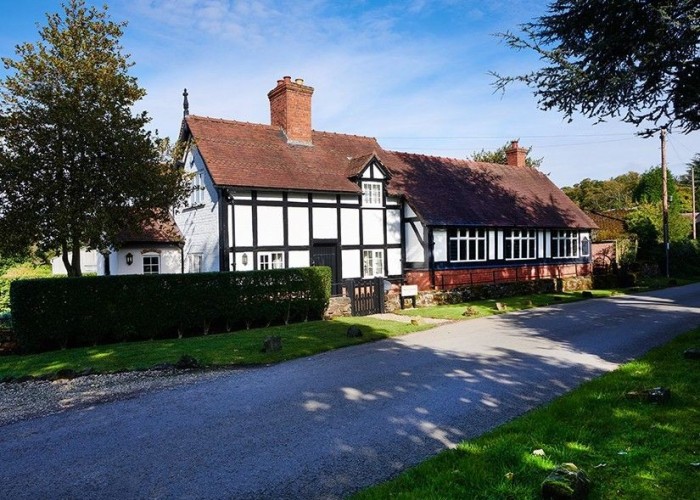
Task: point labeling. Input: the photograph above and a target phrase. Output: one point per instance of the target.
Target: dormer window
(372, 195)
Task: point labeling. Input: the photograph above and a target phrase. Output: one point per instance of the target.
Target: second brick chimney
(515, 155)
(290, 109)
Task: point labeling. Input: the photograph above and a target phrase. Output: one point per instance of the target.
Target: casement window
(467, 245)
(270, 260)
(197, 193)
(372, 263)
(520, 244)
(151, 264)
(372, 194)
(195, 262)
(585, 246)
(565, 244)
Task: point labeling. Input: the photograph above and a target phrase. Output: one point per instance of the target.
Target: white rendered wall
(393, 227)
(394, 261)
(170, 260)
(239, 261)
(351, 264)
(372, 227)
(299, 258)
(325, 223)
(90, 262)
(350, 226)
(243, 225)
(270, 226)
(414, 250)
(200, 226)
(298, 226)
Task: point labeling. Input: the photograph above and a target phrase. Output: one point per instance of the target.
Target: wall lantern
(244, 259)
(129, 259)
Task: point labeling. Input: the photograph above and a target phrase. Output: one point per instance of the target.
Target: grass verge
(236, 348)
(629, 449)
(479, 308)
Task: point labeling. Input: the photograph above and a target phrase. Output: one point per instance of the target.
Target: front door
(326, 254)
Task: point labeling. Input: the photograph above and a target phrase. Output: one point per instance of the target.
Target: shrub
(49, 314)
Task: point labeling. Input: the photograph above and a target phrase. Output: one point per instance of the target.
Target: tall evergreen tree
(638, 61)
(77, 166)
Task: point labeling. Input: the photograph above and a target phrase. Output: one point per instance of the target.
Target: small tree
(499, 156)
(76, 165)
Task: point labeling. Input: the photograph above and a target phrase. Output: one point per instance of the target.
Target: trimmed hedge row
(50, 314)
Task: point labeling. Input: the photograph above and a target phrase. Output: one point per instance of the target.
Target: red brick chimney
(290, 109)
(515, 155)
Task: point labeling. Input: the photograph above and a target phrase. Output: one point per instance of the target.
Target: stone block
(566, 482)
(272, 343)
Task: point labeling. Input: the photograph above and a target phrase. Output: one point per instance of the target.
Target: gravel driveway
(328, 425)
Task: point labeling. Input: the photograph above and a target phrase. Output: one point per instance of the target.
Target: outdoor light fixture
(244, 259)
(129, 259)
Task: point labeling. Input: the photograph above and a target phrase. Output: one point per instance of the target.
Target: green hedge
(4, 294)
(50, 314)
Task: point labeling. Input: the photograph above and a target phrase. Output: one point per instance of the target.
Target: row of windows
(469, 245)
(372, 262)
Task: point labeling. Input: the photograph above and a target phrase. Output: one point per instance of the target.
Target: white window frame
(525, 240)
(270, 260)
(565, 244)
(585, 244)
(151, 266)
(467, 238)
(194, 262)
(197, 193)
(373, 263)
(372, 194)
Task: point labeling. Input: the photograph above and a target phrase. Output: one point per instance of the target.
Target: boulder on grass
(272, 343)
(586, 294)
(354, 331)
(658, 395)
(187, 362)
(692, 353)
(566, 482)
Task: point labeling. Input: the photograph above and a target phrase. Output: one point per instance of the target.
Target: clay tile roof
(443, 191)
(451, 192)
(240, 154)
(358, 164)
(155, 231)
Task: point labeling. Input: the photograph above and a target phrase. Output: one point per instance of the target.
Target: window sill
(192, 207)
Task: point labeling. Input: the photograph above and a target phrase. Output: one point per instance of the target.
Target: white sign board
(409, 290)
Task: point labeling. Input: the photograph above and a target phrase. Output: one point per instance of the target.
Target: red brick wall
(450, 278)
(290, 109)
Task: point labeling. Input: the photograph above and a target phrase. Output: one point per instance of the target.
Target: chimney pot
(290, 109)
(515, 155)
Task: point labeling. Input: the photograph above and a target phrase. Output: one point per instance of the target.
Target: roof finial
(185, 104)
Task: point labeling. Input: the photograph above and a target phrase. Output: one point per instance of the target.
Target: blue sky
(413, 74)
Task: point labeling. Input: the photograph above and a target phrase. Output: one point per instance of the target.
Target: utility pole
(664, 194)
(692, 183)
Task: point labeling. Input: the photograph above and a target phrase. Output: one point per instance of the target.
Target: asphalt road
(326, 426)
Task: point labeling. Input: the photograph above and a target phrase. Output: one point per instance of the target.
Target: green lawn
(236, 348)
(629, 449)
(479, 308)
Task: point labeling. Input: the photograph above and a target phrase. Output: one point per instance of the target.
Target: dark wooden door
(326, 254)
